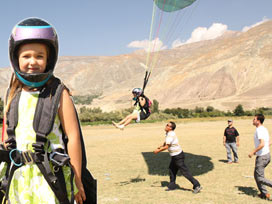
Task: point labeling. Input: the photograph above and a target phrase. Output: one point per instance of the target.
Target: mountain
(233, 69)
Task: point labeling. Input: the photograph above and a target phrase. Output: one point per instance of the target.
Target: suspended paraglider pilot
(141, 109)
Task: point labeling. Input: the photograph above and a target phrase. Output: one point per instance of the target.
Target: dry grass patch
(128, 171)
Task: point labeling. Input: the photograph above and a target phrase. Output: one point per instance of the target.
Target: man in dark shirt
(231, 142)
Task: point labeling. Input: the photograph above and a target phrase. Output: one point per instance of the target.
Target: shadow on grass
(133, 180)
(247, 190)
(166, 183)
(223, 160)
(158, 163)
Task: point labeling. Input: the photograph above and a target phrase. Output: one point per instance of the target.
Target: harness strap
(44, 117)
(55, 184)
(4, 154)
(13, 113)
(11, 124)
(47, 109)
(11, 172)
(61, 180)
(45, 113)
(54, 181)
(147, 75)
(58, 158)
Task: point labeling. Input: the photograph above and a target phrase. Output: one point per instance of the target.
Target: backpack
(44, 117)
(148, 104)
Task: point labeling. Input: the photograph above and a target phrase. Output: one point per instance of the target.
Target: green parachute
(173, 5)
(167, 17)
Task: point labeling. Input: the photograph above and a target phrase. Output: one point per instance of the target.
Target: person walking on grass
(231, 141)
(177, 159)
(262, 152)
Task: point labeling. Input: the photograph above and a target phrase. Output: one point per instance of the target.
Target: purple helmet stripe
(23, 33)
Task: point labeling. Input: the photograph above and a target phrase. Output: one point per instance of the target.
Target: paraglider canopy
(173, 5)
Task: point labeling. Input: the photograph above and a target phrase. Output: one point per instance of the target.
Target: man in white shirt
(177, 159)
(261, 141)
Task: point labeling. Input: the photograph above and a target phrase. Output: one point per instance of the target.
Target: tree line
(96, 115)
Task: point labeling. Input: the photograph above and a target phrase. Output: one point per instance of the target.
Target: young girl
(33, 51)
(141, 109)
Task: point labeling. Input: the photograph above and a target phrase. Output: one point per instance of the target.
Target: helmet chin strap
(32, 84)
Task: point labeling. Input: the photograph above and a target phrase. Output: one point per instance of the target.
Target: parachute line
(150, 35)
(182, 24)
(157, 33)
(162, 31)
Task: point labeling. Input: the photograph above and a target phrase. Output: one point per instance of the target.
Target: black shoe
(172, 186)
(197, 189)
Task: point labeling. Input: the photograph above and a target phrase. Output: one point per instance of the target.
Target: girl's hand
(80, 195)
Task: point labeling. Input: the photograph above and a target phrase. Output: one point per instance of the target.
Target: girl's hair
(14, 86)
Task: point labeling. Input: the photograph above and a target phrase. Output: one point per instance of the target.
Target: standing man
(231, 141)
(261, 140)
(177, 159)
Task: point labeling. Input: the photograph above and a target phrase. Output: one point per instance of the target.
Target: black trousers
(177, 163)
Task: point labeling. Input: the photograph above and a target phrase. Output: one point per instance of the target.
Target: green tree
(210, 109)
(239, 110)
(83, 109)
(199, 109)
(228, 113)
(155, 106)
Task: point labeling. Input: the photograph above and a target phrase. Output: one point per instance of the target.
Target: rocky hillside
(234, 68)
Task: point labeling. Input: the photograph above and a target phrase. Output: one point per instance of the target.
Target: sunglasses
(168, 126)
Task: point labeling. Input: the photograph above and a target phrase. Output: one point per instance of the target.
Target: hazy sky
(113, 27)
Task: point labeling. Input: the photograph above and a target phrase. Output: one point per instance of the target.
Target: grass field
(128, 172)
